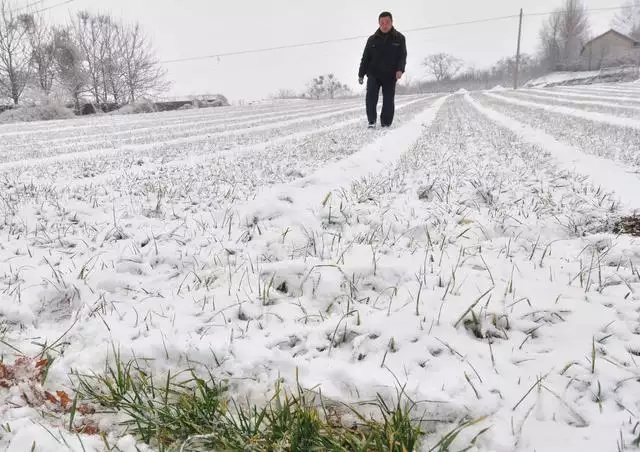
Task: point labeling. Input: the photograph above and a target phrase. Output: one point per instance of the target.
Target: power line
(352, 38)
(458, 24)
(592, 10)
(29, 5)
(263, 49)
(53, 6)
(327, 41)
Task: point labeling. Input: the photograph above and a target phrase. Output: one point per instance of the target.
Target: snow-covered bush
(142, 106)
(210, 100)
(46, 112)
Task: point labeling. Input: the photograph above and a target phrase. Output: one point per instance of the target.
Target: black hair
(385, 14)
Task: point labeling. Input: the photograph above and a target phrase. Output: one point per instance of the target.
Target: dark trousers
(388, 97)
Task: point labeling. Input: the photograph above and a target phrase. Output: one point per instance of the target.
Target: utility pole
(515, 75)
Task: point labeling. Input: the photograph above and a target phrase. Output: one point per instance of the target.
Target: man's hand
(398, 75)
(361, 80)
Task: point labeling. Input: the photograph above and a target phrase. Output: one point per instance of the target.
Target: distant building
(610, 49)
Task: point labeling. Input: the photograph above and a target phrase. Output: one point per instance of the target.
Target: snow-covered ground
(466, 252)
(586, 78)
(561, 77)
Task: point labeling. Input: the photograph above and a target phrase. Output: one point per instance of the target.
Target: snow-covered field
(467, 252)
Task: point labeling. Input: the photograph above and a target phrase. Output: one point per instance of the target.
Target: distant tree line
(448, 73)
(94, 56)
(560, 43)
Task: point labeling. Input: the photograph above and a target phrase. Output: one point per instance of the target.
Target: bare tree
(142, 73)
(40, 37)
(96, 54)
(120, 59)
(443, 66)
(628, 19)
(285, 93)
(550, 41)
(503, 70)
(574, 30)
(88, 34)
(327, 86)
(316, 87)
(563, 35)
(15, 56)
(334, 87)
(114, 64)
(71, 73)
(108, 59)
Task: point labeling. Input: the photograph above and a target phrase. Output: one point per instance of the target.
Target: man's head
(385, 21)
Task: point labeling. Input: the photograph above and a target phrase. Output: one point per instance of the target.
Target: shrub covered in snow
(142, 106)
(46, 112)
(214, 100)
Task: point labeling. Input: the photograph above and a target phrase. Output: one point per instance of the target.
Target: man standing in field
(383, 62)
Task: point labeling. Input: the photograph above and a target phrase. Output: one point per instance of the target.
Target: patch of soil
(628, 225)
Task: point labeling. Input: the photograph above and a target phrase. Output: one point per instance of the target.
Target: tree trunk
(15, 95)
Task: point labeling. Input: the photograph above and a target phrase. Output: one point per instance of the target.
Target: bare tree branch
(574, 30)
(563, 35)
(71, 71)
(443, 66)
(120, 59)
(628, 20)
(142, 72)
(15, 55)
(327, 86)
(40, 37)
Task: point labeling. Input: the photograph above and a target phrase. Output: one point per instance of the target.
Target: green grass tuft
(198, 414)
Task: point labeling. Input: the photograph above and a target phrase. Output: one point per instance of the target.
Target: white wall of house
(610, 48)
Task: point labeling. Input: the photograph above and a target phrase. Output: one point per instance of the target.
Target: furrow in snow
(118, 132)
(116, 139)
(550, 96)
(584, 94)
(372, 158)
(597, 138)
(180, 137)
(610, 108)
(344, 131)
(606, 173)
(199, 150)
(591, 116)
(94, 123)
(599, 88)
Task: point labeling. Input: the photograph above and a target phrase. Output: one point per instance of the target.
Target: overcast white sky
(185, 28)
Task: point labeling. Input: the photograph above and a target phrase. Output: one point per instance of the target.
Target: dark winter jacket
(384, 55)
